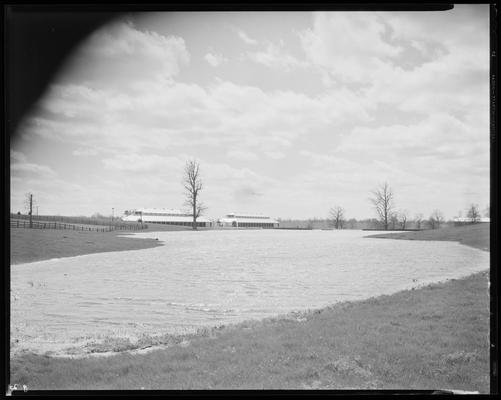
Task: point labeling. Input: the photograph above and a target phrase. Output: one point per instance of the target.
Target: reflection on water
(218, 277)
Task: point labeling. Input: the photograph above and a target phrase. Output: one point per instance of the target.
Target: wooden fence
(58, 225)
(73, 220)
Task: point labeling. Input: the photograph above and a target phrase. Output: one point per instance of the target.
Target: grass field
(476, 235)
(435, 337)
(28, 245)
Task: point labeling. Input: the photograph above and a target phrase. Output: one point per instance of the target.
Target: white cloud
(123, 39)
(85, 152)
(31, 169)
(242, 155)
(371, 49)
(119, 56)
(242, 35)
(348, 46)
(275, 155)
(17, 156)
(215, 60)
(168, 115)
(276, 57)
(440, 136)
(144, 163)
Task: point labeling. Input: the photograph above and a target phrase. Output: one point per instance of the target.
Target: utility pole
(31, 210)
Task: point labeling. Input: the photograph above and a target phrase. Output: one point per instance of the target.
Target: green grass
(28, 245)
(475, 235)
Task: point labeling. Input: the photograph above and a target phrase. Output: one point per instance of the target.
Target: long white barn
(239, 220)
(466, 220)
(166, 216)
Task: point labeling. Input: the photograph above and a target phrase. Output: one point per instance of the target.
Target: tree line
(388, 217)
(382, 199)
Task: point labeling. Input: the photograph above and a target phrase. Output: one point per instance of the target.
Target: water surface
(208, 278)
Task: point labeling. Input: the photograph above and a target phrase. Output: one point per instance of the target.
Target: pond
(208, 278)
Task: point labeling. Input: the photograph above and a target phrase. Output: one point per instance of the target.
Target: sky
(288, 114)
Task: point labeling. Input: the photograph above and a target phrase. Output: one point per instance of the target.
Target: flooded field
(216, 277)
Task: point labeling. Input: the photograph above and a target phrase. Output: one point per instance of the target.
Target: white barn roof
(247, 218)
(162, 215)
(465, 219)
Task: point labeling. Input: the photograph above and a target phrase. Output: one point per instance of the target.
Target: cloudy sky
(288, 113)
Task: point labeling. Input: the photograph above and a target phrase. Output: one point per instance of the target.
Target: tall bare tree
(436, 219)
(193, 185)
(336, 217)
(383, 203)
(473, 213)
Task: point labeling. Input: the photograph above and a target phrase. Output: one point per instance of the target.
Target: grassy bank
(476, 235)
(28, 245)
(435, 337)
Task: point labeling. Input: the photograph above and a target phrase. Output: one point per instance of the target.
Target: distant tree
(336, 217)
(403, 215)
(393, 220)
(487, 212)
(383, 203)
(193, 185)
(418, 219)
(436, 219)
(352, 222)
(473, 213)
(373, 223)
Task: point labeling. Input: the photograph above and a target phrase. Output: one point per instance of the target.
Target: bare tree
(436, 219)
(383, 203)
(336, 217)
(193, 185)
(473, 213)
(29, 203)
(418, 219)
(403, 215)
